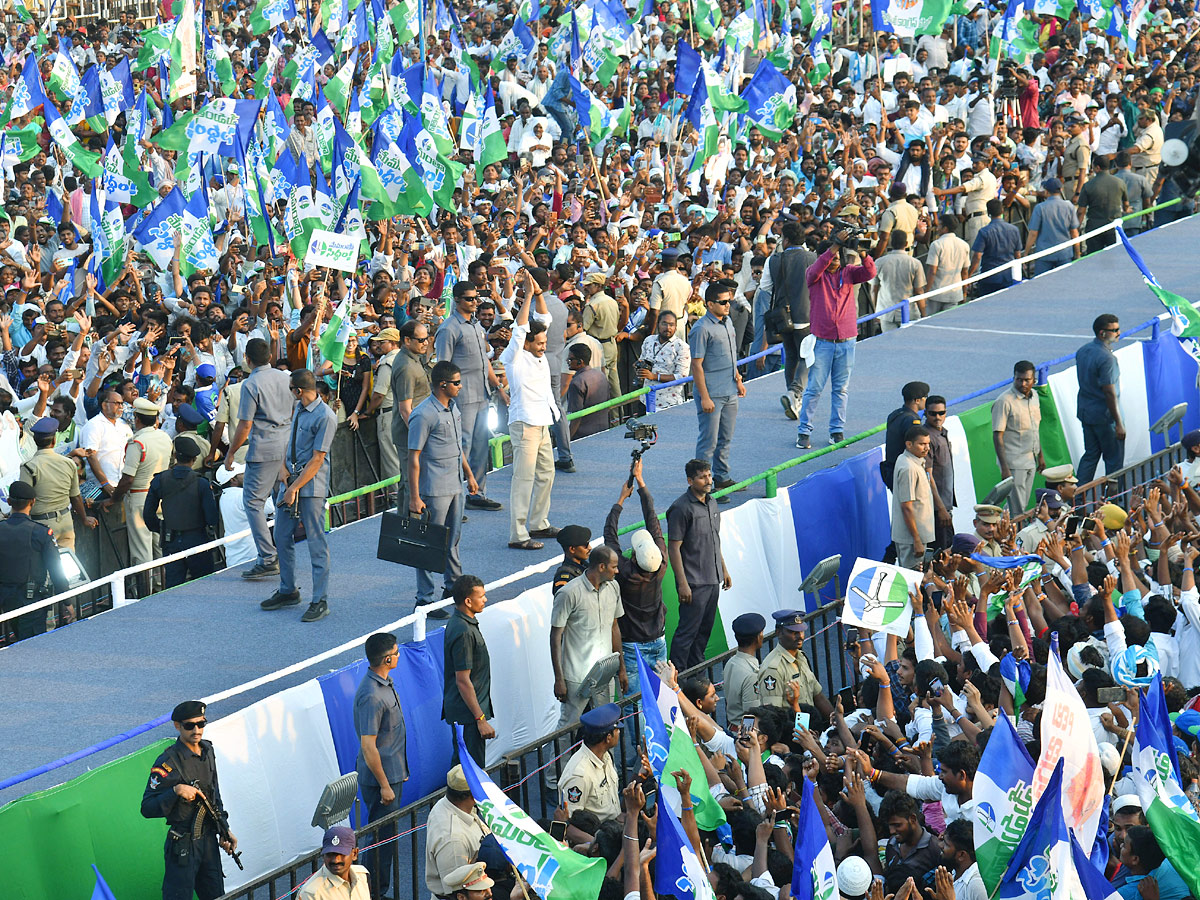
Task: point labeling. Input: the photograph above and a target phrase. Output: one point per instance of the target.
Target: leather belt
(42, 517)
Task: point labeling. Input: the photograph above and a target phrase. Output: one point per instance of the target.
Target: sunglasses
(459, 381)
(929, 413)
(193, 726)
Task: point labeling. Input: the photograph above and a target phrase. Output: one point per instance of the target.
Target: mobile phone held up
(558, 830)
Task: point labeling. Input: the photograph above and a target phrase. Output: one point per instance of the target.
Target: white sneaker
(788, 401)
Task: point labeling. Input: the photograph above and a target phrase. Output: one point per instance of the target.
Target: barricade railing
(1119, 486)
(522, 772)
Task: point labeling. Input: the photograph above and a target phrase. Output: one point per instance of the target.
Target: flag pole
(1112, 788)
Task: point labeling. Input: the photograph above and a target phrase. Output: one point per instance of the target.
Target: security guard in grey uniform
(181, 773)
(28, 558)
(55, 480)
(189, 513)
(787, 664)
(741, 671)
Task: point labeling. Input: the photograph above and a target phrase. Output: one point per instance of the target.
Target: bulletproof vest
(181, 503)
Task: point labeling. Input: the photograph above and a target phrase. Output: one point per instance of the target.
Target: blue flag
(677, 869)
(1003, 794)
(576, 48)
(814, 874)
(699, 95)
(101, 891)
(1043, 865)
(687, 67)
(156, 232)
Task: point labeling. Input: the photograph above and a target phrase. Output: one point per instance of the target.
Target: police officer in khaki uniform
(381, 401)
(55, 480)
(987, 517)
(787, 664)
(1146, 152)
(600, 317)
(589, 780)
(742, 669)
(147, 453)
(469, 882)
(1077, 159)
(1062, 479)
(1047, 507)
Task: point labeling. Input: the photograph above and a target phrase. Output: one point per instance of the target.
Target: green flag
(183, 54)
(337, 89)
(708, 18)
(397, 188)
(21, 144)
(332, 342)
(404, 16)
(553, 871)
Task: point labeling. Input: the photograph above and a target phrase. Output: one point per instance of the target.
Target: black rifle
(223, 831)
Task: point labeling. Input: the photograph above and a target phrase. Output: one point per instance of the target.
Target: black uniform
(192, 856)
(28, 560)
(568, 571)
(189, 519)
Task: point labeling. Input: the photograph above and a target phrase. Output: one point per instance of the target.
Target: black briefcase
(413, 542)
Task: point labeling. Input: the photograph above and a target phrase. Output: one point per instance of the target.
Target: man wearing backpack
(786, 318)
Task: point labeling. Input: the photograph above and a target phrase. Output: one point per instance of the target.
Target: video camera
(1007, 88)
(853, 239)
(646, 434)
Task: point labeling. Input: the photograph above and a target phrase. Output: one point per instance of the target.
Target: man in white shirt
(104, 438)
(1111, 126)
(532, 409)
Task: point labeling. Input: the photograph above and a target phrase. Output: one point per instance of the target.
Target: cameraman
(640, 577)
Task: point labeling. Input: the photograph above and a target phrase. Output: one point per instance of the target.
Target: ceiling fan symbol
(872, 600)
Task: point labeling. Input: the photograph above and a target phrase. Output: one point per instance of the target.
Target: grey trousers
(561, 430)
(447, 511)
(389, 459)
(258, 483)
(716, 434)
(312, 514)
(475, 439)
(1022, 489)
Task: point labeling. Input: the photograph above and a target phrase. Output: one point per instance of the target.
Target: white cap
(1125, 800)
(645, 551)
(1110, 759)
(224, 476)
(854, 877)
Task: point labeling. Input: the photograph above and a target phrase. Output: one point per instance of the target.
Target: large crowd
(539, 208)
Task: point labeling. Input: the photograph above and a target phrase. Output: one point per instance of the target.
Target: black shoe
(564, 465)
(440, 613)
(803, 443)
(544, 532)
(262, 570)
(478, 501)
(723, 483)
(279, 600)
(725, 498)
(315, 612)
(837, 437)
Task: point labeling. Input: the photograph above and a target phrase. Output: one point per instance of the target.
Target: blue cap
(206, 370)
(749, 623)
(789, 619)
(45, 425)
(190, 414)
(602, 719)
(1052, 497)
(338, 839)
(1188, 722)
